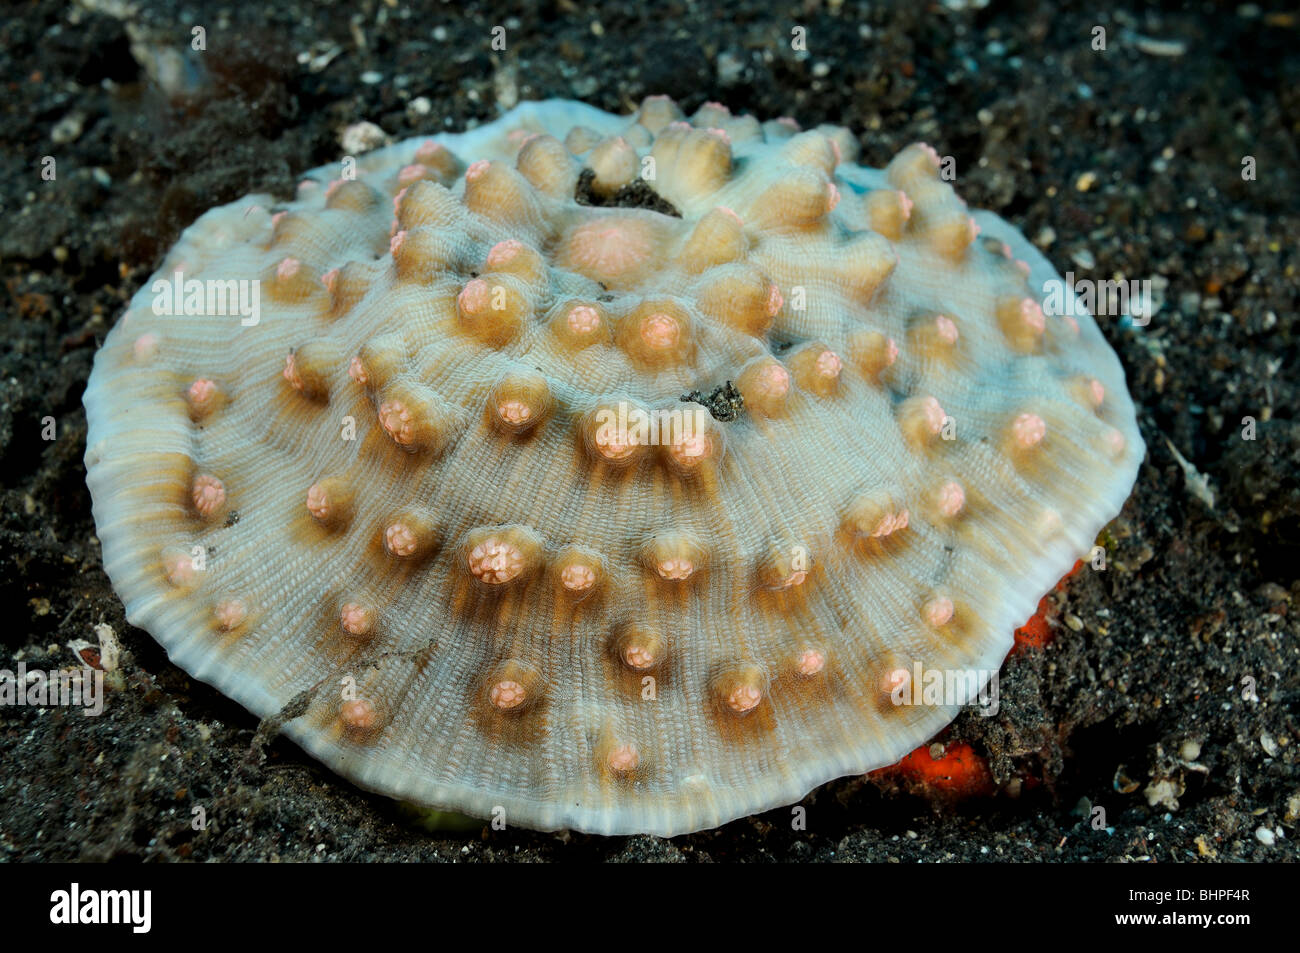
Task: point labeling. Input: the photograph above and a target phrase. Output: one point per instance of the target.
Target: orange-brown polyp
(739, 296)
(816, 368)
(498, 556)
(579, 324)
(616, 432)
(549, 166)
(888, 212)
(718, 238)
(330, 502)
(204, 397)
(413, 417)
(579, 572)
(656, 334)
(876, 514)
(802, 198)
(615, 163)
(765, 385)
(785, 565)
(871, 352)
(513, 686)
(690, 440)
(361, 719)
(380, 360)
(1022, 323)
(519, 402)
(673, 556)
(493, 308)
(739, 689)
(409, 534)
(639, 647)
(921, 420)
(692, 160)
(310, 369)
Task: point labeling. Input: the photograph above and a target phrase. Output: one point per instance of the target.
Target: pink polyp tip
(789, 122)
(230, 614)
(397, 201)
(208, 494)
(891, 352)
(395, 243)
(719, 107)
(277, 218)
(476, 169)
(1032, 314)
(623, 758)
(329, 278)
(676, 567)
(507, 694)
(1022, 266)
(332, 188)
(930, 152)
(832, 196)
(829, 364)
(145, 347)
(355, 619)
(359, 715)
(514, 411)
(946, 328)
(934, 415)
(1097, 391)
(428, 150)
(974, 228)
(1029, 430)
(951, 499)
(495, 562)
(810, 662)
(411, 173)
(400, 540)
(719, 133)
(907, 204)
(504, 252)
(938, 612)
(318, 502)
(577, 577)
(660, 331)
(291, 372)
(679, 124)
(474, 297)
(357, 370)
(638, 657)
(835, 148)
(774, 380)
(397, 421)
(287, 268)
(774, 301)
(583, 319)
(690, 449)
(306, 185)
(1115, 442)
(744, 698)
(203, 390)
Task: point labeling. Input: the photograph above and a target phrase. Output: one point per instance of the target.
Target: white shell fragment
(413, 444)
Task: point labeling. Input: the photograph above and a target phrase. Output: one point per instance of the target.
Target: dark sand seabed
(1118, 163)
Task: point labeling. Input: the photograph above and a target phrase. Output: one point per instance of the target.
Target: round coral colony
(471, 455)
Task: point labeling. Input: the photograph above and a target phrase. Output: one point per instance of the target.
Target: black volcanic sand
(1117, 163)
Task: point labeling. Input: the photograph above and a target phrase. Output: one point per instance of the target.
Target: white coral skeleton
(398, 491)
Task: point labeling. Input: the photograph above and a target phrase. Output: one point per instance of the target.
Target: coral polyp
(608, 471)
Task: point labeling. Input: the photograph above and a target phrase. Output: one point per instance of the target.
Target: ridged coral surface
(444, 496)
